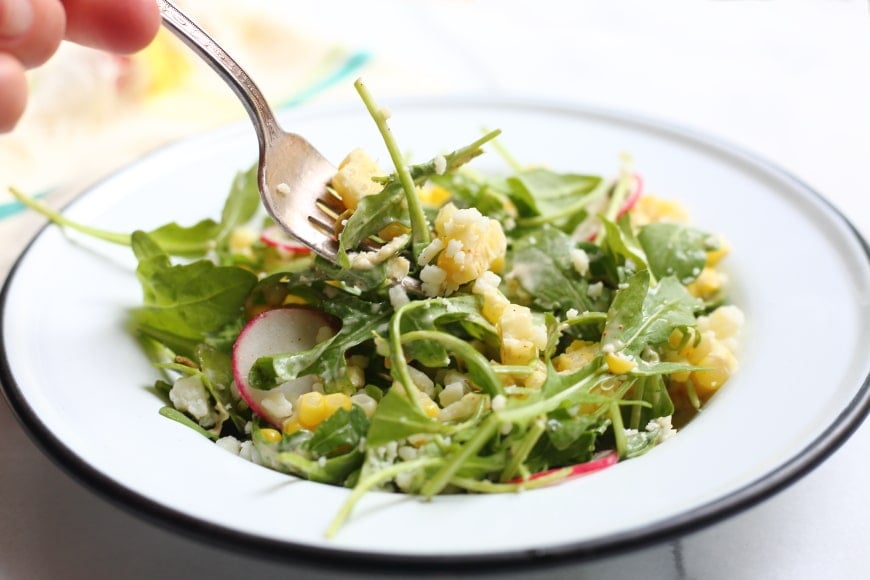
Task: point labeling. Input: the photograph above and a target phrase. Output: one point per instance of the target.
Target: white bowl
(79, 382)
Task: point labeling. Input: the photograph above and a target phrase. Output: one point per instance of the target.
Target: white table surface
(787, 79)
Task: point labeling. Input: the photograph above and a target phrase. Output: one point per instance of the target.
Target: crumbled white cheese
(429, 252)
(440, 164)
(277, 405)
(189, 395)
(368, 260)
(398, 296)
(580, 261)
(595, 290)
(433, 279)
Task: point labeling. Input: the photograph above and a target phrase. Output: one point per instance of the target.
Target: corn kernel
(430, 407)
(721, 362)
(353, 181)
(435, 196)
(311, 410)
(578, 354)
(291, 426)
(715, 256)
(617, 364)
(335, 401)
(271, 435)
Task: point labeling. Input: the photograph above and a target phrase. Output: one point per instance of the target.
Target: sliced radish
(633, 196)
(276, 237)
(282, 330)
(597, 463)
(588, 229)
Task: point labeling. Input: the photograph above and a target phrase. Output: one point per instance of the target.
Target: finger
(34, 43)
(14, 94)
(120, 26)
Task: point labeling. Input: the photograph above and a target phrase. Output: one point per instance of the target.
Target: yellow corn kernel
(706, 284)
(715, 256)
(393, 230)
(721, 364)
(430, 407)
(291, 426)
(435, 196)
(650, 209)
(314, 408)
(354, 178)
(310, 409)
(335, 401)
(578, 354)
(494, 304)
(617, 364)
(271, 435)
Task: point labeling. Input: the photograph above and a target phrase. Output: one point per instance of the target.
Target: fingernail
(16, 17)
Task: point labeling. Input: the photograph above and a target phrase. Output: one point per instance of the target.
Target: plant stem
(368, 483)
(58, 219)
(419, 225)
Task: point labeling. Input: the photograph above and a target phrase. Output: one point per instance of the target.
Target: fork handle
(226, 67)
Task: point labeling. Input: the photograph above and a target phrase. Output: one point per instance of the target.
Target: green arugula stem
(398, 361)
(368, 483)
(463, 350)
(486, 486)
(637, 393)
(447, 471)
(179, 417)
(620, 192)
(618, 428)
(60, 220)
(587, 318)
(508, 157)
(529, 411)
(419, 224)
(536, 429)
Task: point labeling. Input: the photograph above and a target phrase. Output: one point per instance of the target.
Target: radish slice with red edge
(589, 228)
(597, 463)
(282, 330)
(276, 237)
(632, 198)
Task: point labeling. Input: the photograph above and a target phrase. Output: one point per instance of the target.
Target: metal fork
(292, 175)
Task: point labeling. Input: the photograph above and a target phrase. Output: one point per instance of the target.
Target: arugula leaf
(372, 214)
(641, 315)
(466, 192)
(338, 434)
(396, 418)
(188, 300)
(187, 241)
(542, 193)
(241, 205)
(621, 244)
(438, 314)
(675, 250)
(542, 264)
(197, 240)
(653, 391)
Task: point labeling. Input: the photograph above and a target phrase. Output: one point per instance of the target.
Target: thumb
(16, 18)
(31, 30)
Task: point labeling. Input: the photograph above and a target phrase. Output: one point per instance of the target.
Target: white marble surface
(787, 79)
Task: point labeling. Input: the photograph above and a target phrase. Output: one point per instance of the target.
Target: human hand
(31, 30)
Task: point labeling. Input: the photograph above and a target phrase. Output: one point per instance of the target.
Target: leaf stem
(60, 220)
(465, 351)
(367, 484)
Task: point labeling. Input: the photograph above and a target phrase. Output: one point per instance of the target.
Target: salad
(477, 334)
